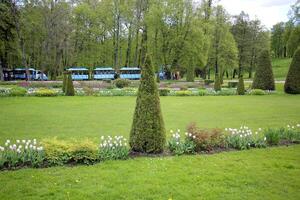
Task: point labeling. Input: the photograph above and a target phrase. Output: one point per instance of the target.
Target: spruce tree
(292, 82)
(190, 75)
(241, 86)
(217, 84)
(147, 132)
(69, 90)
(64, 82)
(264, 78)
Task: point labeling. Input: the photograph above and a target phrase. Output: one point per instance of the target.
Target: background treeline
(181, 35)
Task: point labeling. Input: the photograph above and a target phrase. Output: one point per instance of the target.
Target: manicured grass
(81, 117)
(280, 67)
(272, 173)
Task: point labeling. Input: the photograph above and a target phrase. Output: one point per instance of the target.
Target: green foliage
(245, 138)
(183, 93)
(147, 131)
(292, 83)
(264, 78)
(208, 81)
(290, 134)
(44, 92)
(294, 40)
(18, 91)
(256, 92)
(241, 86)
(232, 84)
(164, 92)
(273, 136)
(113, 148)
(206, 139)
(65, 78)
(190, 75)
(178, 146)
(121, 83)
(217, 85)
(59, 152)
(69, 90)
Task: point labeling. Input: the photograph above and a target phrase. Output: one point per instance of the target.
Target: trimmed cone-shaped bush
(292, 82)
(190, 75)
(69, 87)
(241, 86)
(264, 78)
(148, 131)
(217, 84)
(64, 86)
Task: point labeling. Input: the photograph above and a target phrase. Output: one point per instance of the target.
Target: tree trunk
(128, 51)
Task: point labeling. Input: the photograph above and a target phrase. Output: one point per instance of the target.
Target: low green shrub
(232, 84)
(256, 92)
(44, 92)
(178, 146)
(206, 139)
(164, 92)
(113, 148)
(273, 136)
(183, 93)
(21, 153)
(59, 152)
(226, 92)
(4, 92)
(208, 81)
(121, 83)
(202, 92)
(18, 91)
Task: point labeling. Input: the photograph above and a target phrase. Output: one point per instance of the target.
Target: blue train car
(20, 74)
(132, 73)
(104, 73)
(79, 73)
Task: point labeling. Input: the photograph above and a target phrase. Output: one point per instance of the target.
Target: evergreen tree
(292, 82)
(241, 86)
(69, 90)
(217, 85)
(147, 132)
(64, 86)
(264, 78)
(190, 75)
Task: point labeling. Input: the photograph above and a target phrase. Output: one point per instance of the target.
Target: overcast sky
(269, 12)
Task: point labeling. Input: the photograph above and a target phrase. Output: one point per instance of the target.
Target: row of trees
(181, 35)
(285, 36)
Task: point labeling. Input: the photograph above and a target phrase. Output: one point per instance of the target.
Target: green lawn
(80, 117)
(281, 67)
(272, 173)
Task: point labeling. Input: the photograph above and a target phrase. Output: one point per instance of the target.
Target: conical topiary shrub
(190, 74)
(241, 86)
(64, 86)
(264, 78)
(69, 90)
(217, 84)
(148, 131)
(292, 82)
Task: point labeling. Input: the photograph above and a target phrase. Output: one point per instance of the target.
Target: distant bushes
(121, 83)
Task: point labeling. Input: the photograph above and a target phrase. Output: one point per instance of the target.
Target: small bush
(164, 92)
(179, 146)
(59, 152)
(121, 83)
(18, 91)
(113, 148)
(202, 92)
(44, 92)
(184, 93)
(232, 84)
(273, 136)
(206, 139)
(241, 86)
(208, 81)
(256, 92)
(21, 153)
(4, 92)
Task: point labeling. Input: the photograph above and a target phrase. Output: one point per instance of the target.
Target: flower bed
(52, 152)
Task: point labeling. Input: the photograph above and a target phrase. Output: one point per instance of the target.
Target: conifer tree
(264, 78)
(147, 132)
(292, 82)
(69, 90)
